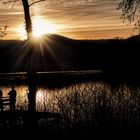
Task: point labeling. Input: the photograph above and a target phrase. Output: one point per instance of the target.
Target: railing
(5, 102)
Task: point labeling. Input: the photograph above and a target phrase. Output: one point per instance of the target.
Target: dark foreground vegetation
(90, 109)
(86, 110)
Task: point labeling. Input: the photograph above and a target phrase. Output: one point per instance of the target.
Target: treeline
(117, 57)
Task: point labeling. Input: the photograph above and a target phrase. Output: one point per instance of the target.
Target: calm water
(83, 100)
(123, 96)
(85, 106)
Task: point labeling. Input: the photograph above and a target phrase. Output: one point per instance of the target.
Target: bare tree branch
(36, 2)
(3, 31)
(13, 5)
(10, 1)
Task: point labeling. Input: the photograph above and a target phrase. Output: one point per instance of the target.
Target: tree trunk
(28, 22)
(31, 74)
(32, 86)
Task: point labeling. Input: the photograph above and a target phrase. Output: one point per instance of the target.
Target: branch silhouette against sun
(26, 7)
(3, 31)
(28, 3)
(131, 12)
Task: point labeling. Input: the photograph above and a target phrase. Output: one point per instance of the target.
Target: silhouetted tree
(31, 73)
(130, 11)
(26, 7)
(28, 24)
(28, 3)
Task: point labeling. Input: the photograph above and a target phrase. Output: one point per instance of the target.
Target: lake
(53, 83)
(84, 97)
(83, 101)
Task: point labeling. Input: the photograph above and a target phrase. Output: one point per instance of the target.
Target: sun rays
(40, 27)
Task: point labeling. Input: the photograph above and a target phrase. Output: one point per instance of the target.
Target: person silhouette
(1, 102)
(12, 96)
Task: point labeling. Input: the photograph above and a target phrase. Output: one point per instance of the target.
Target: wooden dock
(6, 101)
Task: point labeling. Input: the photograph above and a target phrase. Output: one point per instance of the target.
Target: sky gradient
(78, 19)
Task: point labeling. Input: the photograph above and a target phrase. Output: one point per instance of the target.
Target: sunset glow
(79, 20)
(41, 27)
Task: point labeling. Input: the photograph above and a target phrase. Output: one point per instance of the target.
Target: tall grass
(94, 105)
(87, 107)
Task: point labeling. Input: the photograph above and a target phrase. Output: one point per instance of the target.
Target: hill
(55, 52)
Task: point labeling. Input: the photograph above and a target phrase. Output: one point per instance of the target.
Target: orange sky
(87, 19)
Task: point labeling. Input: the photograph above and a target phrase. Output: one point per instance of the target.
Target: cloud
(96, 12)
(70, 15)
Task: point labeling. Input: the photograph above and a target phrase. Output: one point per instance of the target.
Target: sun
(41, 27)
